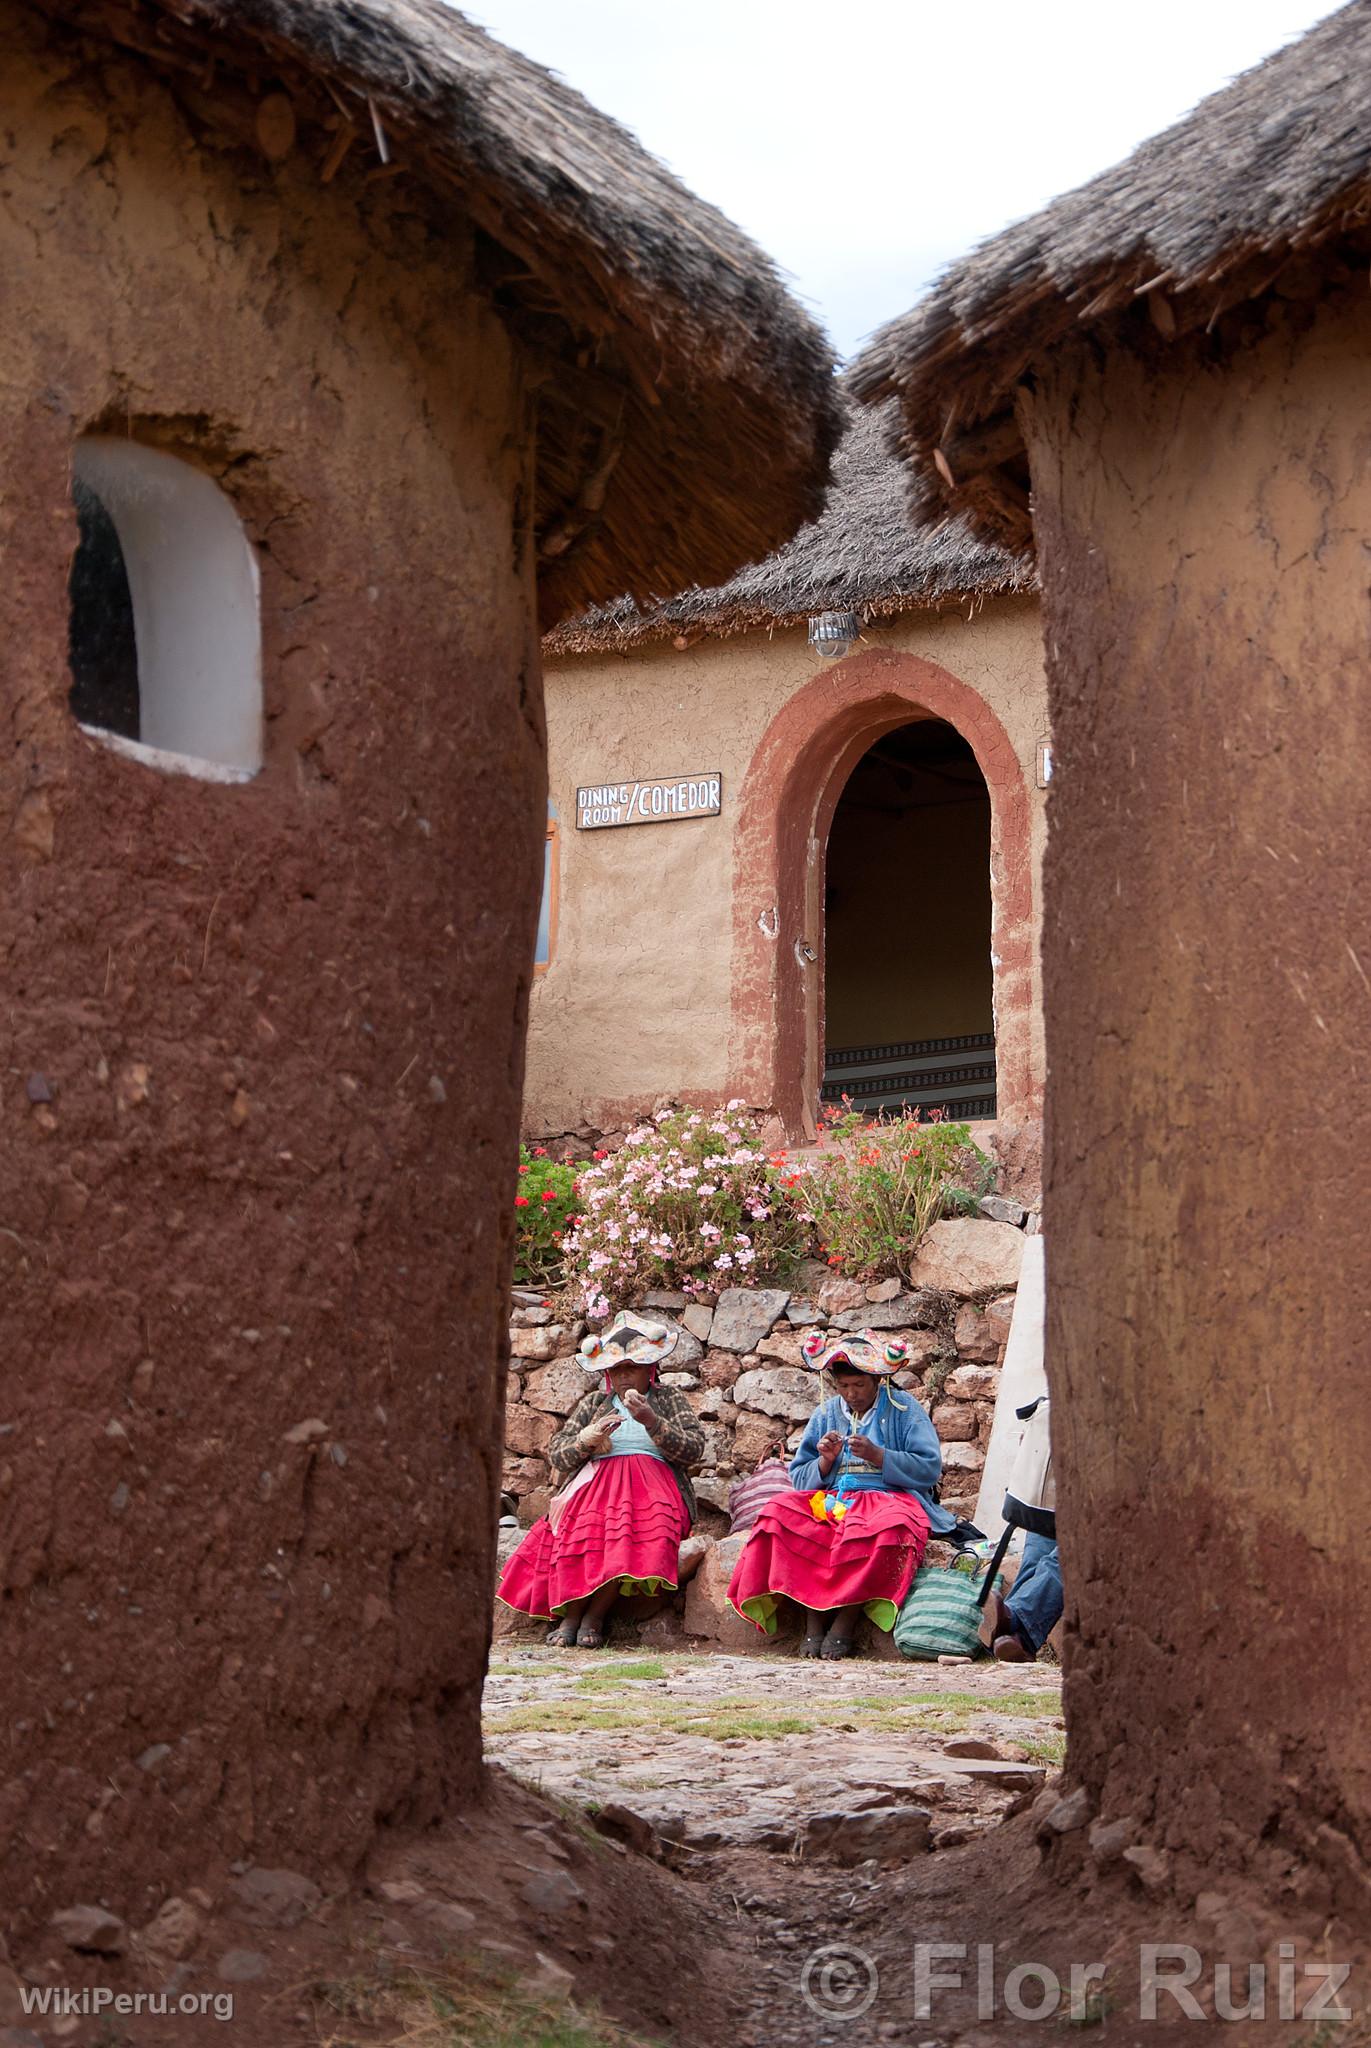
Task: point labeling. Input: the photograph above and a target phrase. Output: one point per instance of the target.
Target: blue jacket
(913, 1455)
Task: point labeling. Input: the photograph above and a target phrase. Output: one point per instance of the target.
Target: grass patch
(458, 2006)
(761, 1719)
(715, 1724)
(605, 1681)
(1048, 1749)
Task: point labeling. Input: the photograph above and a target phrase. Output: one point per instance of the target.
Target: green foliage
(874, 1189)
(688, 1201)
(543, 1205)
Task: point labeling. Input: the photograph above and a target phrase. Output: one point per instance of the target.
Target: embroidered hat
(629, 1340)
(862, 1350)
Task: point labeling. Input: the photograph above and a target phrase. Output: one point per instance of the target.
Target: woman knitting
(615, 1527)
(849, 1539)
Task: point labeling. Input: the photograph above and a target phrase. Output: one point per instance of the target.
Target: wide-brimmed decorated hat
(863, 1350)
(629, 1340)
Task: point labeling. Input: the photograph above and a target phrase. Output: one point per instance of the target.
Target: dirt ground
(700, 1850)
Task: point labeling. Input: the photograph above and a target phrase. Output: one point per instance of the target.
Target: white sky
(866, 143)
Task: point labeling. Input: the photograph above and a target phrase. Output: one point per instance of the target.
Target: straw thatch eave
(686, 411)
(861, 554)
(1265, 189)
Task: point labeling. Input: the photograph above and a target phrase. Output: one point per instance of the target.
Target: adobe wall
(653, 919)
(255, 1295)
(1202, 533)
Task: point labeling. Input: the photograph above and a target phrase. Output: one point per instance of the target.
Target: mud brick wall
(261, 1042)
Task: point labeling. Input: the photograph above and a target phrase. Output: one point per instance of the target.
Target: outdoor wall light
(834, 634)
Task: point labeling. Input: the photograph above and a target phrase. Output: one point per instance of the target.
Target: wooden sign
(658, 802)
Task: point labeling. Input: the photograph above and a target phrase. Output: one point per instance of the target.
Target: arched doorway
(795, 780)
(908, 999)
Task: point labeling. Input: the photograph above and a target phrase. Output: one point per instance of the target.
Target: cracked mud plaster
(1202, 524)
(241, 1206)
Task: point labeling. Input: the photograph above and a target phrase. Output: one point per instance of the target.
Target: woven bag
(940, 1617)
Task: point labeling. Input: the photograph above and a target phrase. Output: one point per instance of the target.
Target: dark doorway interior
(101, 647)
(908, 1000)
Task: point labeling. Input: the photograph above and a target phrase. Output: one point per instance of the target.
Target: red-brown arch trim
(790, 792)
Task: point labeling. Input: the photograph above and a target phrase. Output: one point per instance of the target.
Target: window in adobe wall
(547, 915)
(164, 636)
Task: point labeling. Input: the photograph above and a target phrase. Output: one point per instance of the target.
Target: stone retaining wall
(739, 1361)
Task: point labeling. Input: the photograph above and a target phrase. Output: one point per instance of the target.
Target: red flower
(835, 1259)
(549, 1194)
(599, 1155)
(523, 1169)
(521, 1201)
(540, 1151)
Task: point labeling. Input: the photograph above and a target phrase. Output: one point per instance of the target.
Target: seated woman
(850, 1537)
(615, 1528)
(1015, 1629)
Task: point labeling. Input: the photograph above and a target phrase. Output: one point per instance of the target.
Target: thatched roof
(861, 554)
(686, 410)
(1266, 184)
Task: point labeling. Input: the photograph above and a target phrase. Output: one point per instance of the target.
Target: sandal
(592, 1635)
(563, 1636)
(812, 1646)
(836, 1647)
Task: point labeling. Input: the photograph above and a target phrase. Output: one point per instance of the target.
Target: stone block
(539, 1345)
(744, 1315)
(924, 1347)
(698, 1320)
(783, 1348)
(718, 1445)
(707, 1612)
(955, 1422)
(1003, 1209)
(972, 1383)
(557, 1388)
(521, 1475)
(837, 1295)
(528, 1431)
(712, 1492)
(779, 1390)
(803, 1315)
(889, 1833)
(719, 1369)
(691, 1556)
(713, 1404)
(668, 1298)
(979, 1338)
(968, 1255)
(902, 1311)
(962, 1457)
